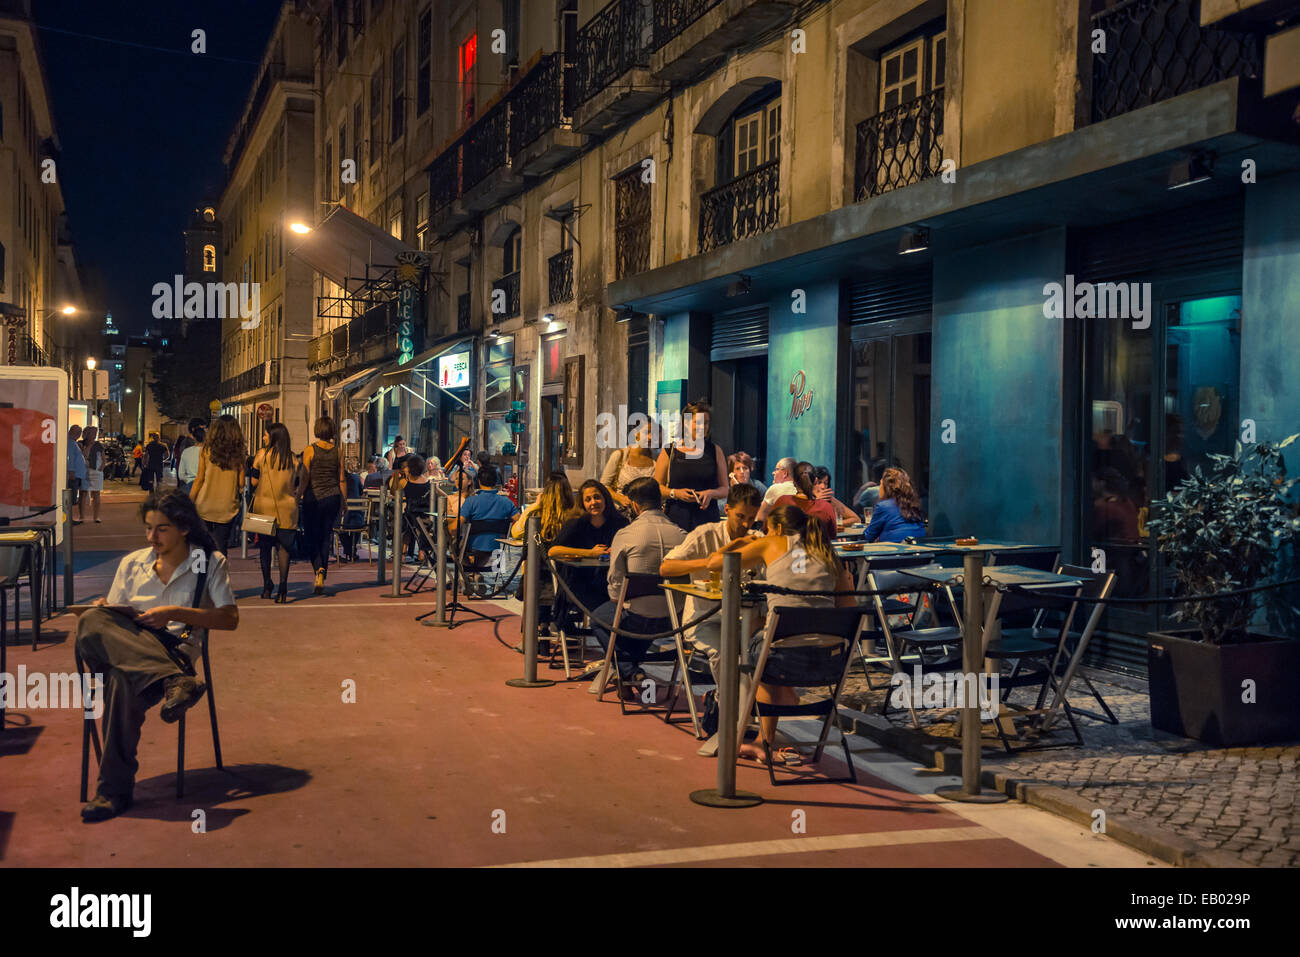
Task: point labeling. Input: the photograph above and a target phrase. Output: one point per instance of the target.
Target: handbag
(258, 524)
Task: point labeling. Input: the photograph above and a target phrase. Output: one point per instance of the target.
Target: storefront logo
(802, 399)
(453, 371)
(1103, 300)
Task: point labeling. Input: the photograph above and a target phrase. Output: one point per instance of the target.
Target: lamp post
(94, 391)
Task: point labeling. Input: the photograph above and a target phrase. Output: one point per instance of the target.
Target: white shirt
(701, 542)
(776, 490)
(138, 585)
(188, 470)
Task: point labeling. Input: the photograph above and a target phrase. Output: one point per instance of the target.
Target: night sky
(143, 129)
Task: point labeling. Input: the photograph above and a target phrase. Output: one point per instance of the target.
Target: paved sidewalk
(1243, 802)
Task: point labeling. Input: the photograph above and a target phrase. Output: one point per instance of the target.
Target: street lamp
(94, 392)
(302, 229)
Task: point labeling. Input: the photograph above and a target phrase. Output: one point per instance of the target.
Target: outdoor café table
(31, 541)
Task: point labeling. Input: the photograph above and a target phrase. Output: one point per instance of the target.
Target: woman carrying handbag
(274, 500)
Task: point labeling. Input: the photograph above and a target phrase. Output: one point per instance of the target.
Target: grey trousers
(134, 665)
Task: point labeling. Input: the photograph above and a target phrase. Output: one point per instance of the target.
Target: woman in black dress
(692, 473)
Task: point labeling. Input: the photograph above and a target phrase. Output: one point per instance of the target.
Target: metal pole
(397, 546)
(243, 510)
(725, 794)
(532, 531)
(972, 659)
(68, 598)
(383, 534)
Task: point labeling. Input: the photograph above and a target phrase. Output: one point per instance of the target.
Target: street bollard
(725, 794)
(383, 534)
(972, 663)
(532, 529)
(397, 546)
(440, 565)
(68, 596)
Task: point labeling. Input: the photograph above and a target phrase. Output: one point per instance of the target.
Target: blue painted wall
(677, 329)
(997, 373)
(808, 342)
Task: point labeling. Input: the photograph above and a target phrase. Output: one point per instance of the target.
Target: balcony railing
(540, 102)
(258, 377)
(487, 146)
(352, 337)
(27, 351)
(900, 146)
(444, 177)
(747, 206)
(1156, 49)
(616, 39)
(559, 269)
(632, 221)
(509, 285)
(672, 17)
(462, 312)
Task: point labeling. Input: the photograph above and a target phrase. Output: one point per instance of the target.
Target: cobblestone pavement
(1240, 801)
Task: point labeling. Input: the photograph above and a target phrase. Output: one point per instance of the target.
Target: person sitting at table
(740, 467)
(434, 469)
(692, 556)
(822, 492)
(587, 535)
(398, 451)
(782, 484)
(898, 514)
(643, 544)
(805, 497)
(556, 505)
(375, 473)
(158, 582)
(484, 505)
(416, 498)
(796, 554)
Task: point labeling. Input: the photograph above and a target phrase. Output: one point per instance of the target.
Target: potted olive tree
(1222, 680)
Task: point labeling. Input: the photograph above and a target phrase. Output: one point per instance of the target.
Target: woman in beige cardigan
(220, 478)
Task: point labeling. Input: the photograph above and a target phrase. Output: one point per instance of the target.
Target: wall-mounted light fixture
(915, 239)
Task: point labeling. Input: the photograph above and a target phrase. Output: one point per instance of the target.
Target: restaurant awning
(348, 250)
(330, 393)
(398, 374)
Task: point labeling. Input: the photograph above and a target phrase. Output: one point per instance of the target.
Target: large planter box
(1197, 688)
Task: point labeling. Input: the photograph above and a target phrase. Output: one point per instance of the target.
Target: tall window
(209, 258)
(467, 59)
(631, 223)
(422, 221)
(512, 252)
(341, 17)
(424, 60)
(395, 221)
(912, 68)
(376, 113)
(343, 146)
(358, 124)
(327, 174)
(399, 90)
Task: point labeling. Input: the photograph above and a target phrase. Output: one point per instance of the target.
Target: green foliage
(1221, 531)
(187, 377)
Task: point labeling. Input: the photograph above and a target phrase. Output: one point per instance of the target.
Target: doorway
(738, 393)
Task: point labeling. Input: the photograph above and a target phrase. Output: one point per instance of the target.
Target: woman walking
(219, 478)
(273, 494)
(323, 497)
(93, 450)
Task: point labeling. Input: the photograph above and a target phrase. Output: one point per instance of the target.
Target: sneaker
(180, 693)
(105, 806)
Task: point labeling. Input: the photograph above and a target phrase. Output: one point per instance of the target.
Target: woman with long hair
(220, 478)
(93, 450)
(589, 535)
(145, 642)
(626, 465)
(326, 488)
(805, 498)
(796, 554)
(555, 506)
(274, 494)
(898, 514)
(692, 473)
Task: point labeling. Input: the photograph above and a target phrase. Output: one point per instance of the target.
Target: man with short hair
(484, 505)
(374, 473)
(782, 484)
(642, 545)
(187, 455)
(155, 455)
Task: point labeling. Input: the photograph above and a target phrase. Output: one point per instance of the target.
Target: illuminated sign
(453, 371)
(803, 397)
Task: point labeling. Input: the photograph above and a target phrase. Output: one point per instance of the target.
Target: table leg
(37, 559)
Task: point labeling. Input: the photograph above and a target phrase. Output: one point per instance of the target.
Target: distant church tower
(203, 259)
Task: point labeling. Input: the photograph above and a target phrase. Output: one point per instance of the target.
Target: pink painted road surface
(436, 757)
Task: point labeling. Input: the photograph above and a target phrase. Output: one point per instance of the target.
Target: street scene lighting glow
(300, 228)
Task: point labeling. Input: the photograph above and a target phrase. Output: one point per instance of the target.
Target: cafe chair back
(422, 529)
(89, 731)
(470, 564)
(635, 585)
(354, 518)
(804, 648)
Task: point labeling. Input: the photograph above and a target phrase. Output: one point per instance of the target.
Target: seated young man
(159, 583)
(645, 542)
(484, 505)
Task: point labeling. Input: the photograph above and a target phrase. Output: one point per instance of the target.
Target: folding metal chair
(466, 563)
(569, 626)
(90, 733)
(421, 526)
(1041, 642)
(636, 585)
(354, 518)
(822, 641)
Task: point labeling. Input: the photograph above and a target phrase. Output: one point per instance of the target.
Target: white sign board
(453, 371)
(33, 444)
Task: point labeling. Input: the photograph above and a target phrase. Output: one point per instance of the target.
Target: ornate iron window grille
(462, 312)
(747, 206)
(1157, 49)
(900, 146)
(631, 223)
(672, 17)
(559, 270)
(616, 39)
(510, 286)
(538, 103)
(257, 377)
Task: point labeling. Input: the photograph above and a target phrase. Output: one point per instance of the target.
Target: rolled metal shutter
(1185, 241)
(893, 295)
(739, 334)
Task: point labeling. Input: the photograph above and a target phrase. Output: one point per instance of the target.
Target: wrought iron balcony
(487, 146)
(462, 312)
(540, 102)
(672, 17)
(559, 269)
(444, 178)
(612, 42)
(320, 350)
(631, 224)
(747, 206)
(1157, 49)
(509, 285)
(900, 146)
(260, 376)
